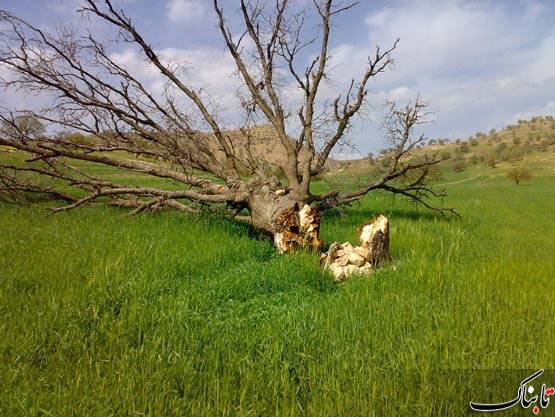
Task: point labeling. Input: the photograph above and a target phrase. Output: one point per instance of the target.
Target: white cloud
(474, 61)
(479, 63)
(401, 94)
(379, 18)
(206, 69)
(446, 38)
(184, 9)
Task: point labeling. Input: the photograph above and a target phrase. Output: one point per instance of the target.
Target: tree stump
(374, 237)
(345, 260)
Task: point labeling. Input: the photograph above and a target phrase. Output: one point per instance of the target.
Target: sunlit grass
(169, 314)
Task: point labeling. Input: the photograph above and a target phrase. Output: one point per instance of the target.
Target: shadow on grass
(260, 273)
(357, 216)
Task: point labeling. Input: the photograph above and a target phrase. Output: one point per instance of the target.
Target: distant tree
(526, 148)
(491, 161)
(23, 127)
(459, 165)
(511, 155)
(473, 142)
(464, 148)
(76, 138)
(492, 131)
(445, 155)
(519, 174)
(500, 148)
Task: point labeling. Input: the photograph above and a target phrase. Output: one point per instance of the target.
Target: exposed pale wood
(374, 237)
(298, 229)
(345, 260)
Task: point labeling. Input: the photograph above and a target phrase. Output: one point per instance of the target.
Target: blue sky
(480, 64)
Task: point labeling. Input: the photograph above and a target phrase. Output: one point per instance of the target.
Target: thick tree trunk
(292, 224)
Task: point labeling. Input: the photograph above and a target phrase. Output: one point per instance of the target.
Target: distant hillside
(509, 145)
(262, 142)
(529, 142)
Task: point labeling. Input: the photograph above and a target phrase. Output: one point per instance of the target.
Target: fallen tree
(164, 135)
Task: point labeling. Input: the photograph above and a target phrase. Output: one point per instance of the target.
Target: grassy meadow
(181, 315)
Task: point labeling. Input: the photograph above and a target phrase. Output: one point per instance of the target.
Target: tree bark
(292, 224)
(374, 237)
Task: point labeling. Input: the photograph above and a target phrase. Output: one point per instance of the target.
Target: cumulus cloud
(468, 58)
(479, 63)
(184, 9)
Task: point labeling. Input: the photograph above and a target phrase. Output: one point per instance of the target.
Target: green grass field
(175, 315)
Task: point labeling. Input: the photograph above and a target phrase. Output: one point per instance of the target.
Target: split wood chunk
(345, 260)
(356, 259)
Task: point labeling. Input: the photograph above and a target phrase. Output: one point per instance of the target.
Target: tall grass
(177, 315)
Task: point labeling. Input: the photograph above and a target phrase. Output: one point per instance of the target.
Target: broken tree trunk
(298, 229)
(345, 260)
(293, 225)
(374, 237)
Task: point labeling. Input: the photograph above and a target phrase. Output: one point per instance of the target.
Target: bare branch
(404, 172)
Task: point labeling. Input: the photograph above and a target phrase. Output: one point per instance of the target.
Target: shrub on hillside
(458, 165)
(519, 174)
(500, 148)
(491, 161)
(510, 155)
(464, 148)
(445, 155)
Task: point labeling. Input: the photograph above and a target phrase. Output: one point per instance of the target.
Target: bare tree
(24, 125)
(179, 135)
